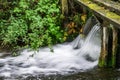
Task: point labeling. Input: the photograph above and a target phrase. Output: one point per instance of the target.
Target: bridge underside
(108, 13)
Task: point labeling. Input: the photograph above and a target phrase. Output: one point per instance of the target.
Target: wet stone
(2, 64)
(87, 57)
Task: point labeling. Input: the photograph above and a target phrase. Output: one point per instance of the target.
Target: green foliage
(31, 23)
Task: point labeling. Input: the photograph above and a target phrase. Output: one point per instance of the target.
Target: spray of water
(63, 60)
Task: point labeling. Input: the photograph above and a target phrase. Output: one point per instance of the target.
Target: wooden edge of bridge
(110, 45)
(101, 12)
(111, 5)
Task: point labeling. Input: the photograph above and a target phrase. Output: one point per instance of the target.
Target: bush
(30, 23)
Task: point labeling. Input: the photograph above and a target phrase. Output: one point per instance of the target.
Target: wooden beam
(111, 5)
(104, 47)
(64, 7)
(114, 46)
(101, 12)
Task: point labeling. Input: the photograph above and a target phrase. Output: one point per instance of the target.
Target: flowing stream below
(76, 60)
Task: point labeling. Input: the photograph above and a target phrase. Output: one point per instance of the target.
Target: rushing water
(76, 60)
(64, 60)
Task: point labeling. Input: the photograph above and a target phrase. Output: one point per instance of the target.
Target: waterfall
(64, 60)
(91, 46)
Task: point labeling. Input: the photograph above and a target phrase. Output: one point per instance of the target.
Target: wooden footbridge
(108, 13)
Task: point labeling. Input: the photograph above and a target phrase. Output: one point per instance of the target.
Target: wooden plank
(104, 48)
(101, 12)
(111, 5)
(114, 46)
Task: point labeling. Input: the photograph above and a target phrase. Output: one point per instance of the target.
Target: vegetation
(30, 23)
(37, 23)
(74, 19)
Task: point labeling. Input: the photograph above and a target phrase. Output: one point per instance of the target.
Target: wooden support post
(64, 7)
(118, 50)
(104, 47)
(114, 46)
(108, 47)
(64, 10)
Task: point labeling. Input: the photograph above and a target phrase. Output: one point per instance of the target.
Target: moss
(102, 59)
(94, 6)
(113, 15)
(102, 63)
(102, 10)
(113, 61)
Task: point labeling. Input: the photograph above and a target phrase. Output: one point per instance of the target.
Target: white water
(64, 60)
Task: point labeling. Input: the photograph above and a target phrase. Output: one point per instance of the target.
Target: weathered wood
(111, 5)
(64, 7)
(109, 46)
(110, 42)
(107, 14)
(114, 46)
(101, 12)
(104, 47)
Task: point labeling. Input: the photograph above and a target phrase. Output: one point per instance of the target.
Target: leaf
(16, 10)
(83, 17)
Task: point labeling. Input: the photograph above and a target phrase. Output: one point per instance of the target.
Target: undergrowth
(30, 23)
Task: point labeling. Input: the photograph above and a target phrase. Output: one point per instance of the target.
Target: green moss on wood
(102, 63)
(115, 18)
(102, 10)
(113, 15)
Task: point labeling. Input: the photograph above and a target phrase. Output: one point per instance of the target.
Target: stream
(76, 60)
